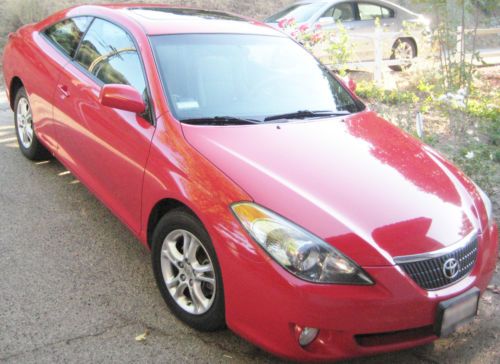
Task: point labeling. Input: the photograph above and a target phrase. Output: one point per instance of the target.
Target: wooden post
(377, 43)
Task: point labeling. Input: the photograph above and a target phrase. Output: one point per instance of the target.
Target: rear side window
(372, 11)
(340, 12)
(109, 53)
(67, 33)
(387, 13)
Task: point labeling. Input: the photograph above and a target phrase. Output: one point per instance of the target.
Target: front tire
(26, 137)
(403, 50)
(187, 271)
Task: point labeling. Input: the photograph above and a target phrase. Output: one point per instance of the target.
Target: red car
(273, 201)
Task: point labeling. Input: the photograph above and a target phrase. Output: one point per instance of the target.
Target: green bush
(371, 92)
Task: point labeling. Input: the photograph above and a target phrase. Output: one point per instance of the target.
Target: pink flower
(303, 28)
(291, 21)
(317, 26)
(316, 38)
(283, 23)
(294, 34)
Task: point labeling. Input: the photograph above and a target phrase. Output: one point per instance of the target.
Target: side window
(109, 53)
(369, 11)
(387, 13)
(340, 12)
(343, 12)
(68, 33)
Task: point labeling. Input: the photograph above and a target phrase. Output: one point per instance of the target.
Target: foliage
(457, 49)
(370, 91)
(302, 34)
(338, 49)
(331, 46)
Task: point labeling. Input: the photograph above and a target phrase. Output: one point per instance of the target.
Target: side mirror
(325, 21)
(123, 97)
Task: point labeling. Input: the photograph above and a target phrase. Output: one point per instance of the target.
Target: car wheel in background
(403, 50)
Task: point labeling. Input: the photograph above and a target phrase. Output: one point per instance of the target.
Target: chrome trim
(438, 253)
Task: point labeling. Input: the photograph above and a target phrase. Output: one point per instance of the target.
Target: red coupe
(273, 200)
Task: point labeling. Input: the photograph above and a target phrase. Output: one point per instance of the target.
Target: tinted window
(372, 11)
(68, 33)
(109, 53)
(340, 12)
(253, 76)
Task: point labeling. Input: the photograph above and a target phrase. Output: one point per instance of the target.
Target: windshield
(244, 76)
(300, 12)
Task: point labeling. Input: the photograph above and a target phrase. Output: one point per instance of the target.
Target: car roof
(157, 19)
(333, 2)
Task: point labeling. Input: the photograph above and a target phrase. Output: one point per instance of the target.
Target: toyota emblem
(451, 268)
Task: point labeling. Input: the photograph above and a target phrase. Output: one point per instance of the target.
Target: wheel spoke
(198, 299)
(187, 242)
(29, 134)
(173, 283)
(208, 280)
(190, 253)
(198, 268)
(179, 291)
(25, 136)
(166, 253)
(26, 110)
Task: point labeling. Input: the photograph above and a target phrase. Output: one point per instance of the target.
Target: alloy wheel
(24, 122)
(404, 53)
(188, 272)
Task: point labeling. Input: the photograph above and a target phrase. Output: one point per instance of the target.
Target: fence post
(377, 42)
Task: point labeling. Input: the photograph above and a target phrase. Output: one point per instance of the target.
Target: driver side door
(106, 148)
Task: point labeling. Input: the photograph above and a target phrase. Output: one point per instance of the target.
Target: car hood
(357, 182)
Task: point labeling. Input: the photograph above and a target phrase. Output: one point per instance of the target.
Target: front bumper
(264, 303)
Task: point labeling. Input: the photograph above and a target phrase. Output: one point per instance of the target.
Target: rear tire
(26, 137)
(187, 271)
(403, 50)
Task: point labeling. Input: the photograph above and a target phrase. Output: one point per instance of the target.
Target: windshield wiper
(221, 120)
(304, 114)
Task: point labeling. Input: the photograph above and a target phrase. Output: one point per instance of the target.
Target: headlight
(487, 204)
(298, 251)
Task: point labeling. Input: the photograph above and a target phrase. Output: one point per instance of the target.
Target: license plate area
(456, 312)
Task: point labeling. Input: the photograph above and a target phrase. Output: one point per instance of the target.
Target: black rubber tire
(181, 218)
(36, 151)
(393, 56)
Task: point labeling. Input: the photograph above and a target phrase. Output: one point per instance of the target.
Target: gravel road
(76, 286)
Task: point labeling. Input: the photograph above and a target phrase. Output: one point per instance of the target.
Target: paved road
(76, 286)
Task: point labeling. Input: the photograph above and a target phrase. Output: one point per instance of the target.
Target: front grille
(429, 271)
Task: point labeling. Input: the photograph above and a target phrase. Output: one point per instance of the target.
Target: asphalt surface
(76, 286)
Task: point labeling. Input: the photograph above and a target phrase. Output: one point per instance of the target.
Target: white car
(403, 33)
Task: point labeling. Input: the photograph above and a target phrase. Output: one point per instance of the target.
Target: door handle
(63, 89)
